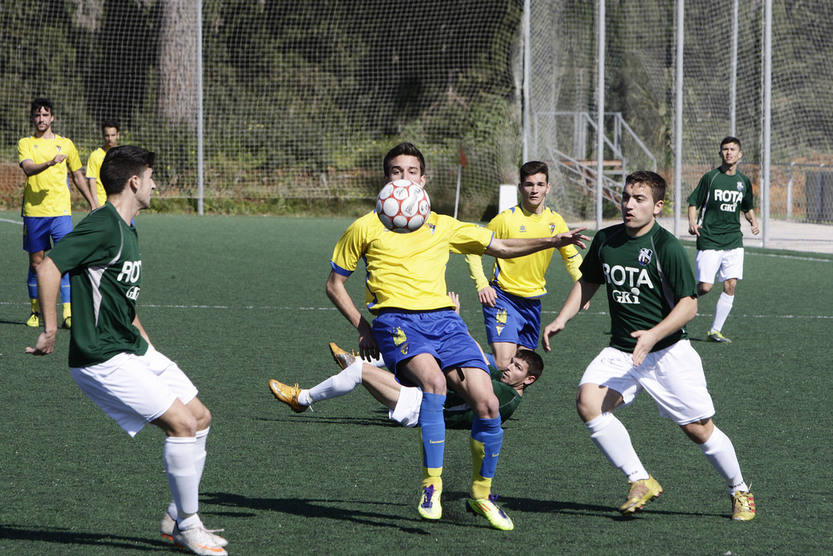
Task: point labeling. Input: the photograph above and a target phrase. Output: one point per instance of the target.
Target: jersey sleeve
(467, 238)
(591, 266)
(748, 201)
(24, 150)
(93, 166)
(85, 246)
(73, 160)
(698, 197)
(349, 249)
(569, 254)
(677, 270)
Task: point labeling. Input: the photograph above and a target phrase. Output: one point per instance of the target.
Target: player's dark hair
(121, 164)
(534, 362)
(652, 180)
(534, 167)
(39, 103)
(730, 139)
(408, 149)
(109, 123)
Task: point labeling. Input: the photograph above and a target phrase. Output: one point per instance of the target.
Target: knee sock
(486, 440)
(199, 465)
(336, 385)
(432, 434)
(720, 452)
(612, 438)
(32, 285)
(721, 311)
(65, 297)
(183, 480)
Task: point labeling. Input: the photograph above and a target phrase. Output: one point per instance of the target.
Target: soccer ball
(403, 206)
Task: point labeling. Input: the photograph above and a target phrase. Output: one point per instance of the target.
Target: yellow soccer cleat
(717, 336)
(491, 511)
(429, 503)
(641, 492)
(33, 320)
(67, 323)
(287, 394)
(743, 506)
(342, 358)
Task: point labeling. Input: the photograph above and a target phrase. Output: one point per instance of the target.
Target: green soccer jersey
(718, 197)
(458, 415)
(646, 276)
(102, 257)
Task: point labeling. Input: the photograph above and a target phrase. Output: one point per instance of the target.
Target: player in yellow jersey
(111, 135)
(46, 158)
(512, 299)
(418, 333)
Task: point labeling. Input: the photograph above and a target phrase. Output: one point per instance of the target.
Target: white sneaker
(198, 540)
(167, 530)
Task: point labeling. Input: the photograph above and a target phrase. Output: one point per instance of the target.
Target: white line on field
(18, 222)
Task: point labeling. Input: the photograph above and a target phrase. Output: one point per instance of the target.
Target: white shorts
(135, 389)
(726, 264)
(406, 412)
(673, 377)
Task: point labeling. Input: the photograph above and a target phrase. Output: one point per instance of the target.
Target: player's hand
(455, 298)
(551, 329)
(60, 157)
(573, 237)
(755, 230)
(694, 229)
(487, 296)
(645, 342)
(367, 343)
(586, 306)
(44, 345)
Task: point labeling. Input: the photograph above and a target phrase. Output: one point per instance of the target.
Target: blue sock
(489, 433)
(432, 428)
(32, 284)
(65, 298)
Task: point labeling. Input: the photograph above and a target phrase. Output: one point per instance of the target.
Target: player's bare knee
(487, 408)
(729, 286)
(703, 288)
(699, 431)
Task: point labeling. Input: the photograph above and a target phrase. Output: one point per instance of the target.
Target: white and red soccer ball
(403, 206)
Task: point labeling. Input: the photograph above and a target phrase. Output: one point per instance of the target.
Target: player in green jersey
(110, 354)
(651, 295)
(720, 196)
(404, 401)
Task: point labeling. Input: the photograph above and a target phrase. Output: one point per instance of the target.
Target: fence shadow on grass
(33, 533)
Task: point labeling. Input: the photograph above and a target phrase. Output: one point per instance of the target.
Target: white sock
(199, 465)
(612, 438)
(337, 385)
(721, 311)
(182, 473)
(720, 452)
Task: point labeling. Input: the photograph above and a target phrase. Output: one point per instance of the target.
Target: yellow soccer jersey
(47, 193)
(525, 276)
(93, 170)
(406, 271)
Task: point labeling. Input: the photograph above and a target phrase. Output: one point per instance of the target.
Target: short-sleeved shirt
(47, 193)
(458, 415)
(718, 196)
(646, 276)
(93, 172)
(406, 271)
(525, 276)
(105, 268)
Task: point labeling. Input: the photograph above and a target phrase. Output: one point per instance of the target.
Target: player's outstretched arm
(507, 248)
(49, 282)
(337, 292)
(578, 297)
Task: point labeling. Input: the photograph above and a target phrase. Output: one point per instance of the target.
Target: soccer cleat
(33, 320)
(167, 530)
(198, 540)
(342, 358)
(491, 511)
(716, 336)
(429, 503)
(67, 323)
(287, 394)
(641, 492)
(743, 506)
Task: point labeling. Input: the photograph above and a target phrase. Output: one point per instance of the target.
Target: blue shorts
(38, 230)
(515, 320)
(402, 334)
